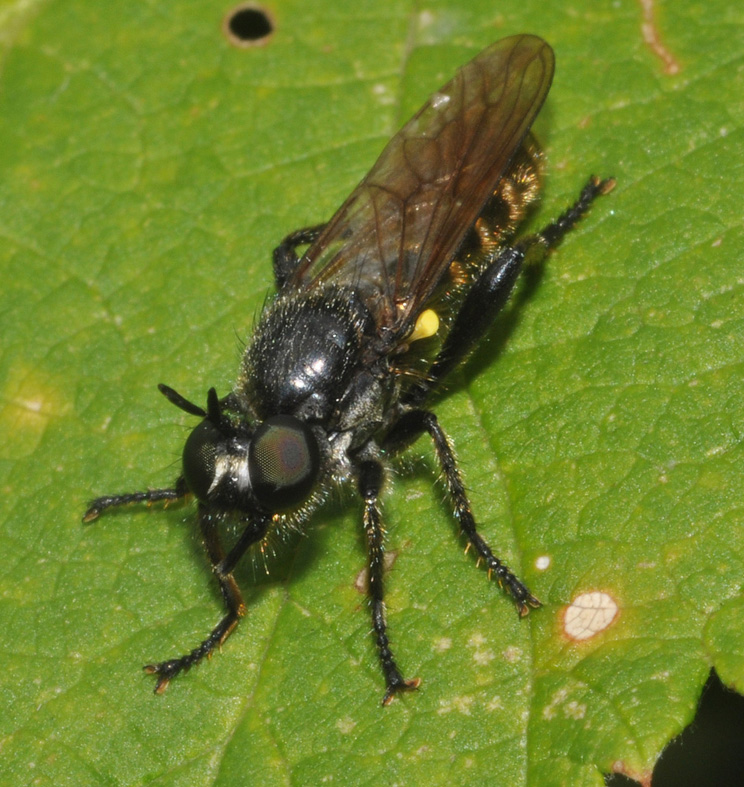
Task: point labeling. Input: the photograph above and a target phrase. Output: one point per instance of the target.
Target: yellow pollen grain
(427, 325)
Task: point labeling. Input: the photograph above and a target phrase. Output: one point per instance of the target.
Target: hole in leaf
(708, 752)
(248, 25)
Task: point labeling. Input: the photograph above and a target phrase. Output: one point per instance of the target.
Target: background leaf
(147, 169)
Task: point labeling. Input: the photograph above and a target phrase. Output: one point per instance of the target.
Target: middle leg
(285, 254)
(370, 484)
(411, 425)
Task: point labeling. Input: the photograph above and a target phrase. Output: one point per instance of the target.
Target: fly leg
(490, 292)
(553, 234)
(370, 484)
(285, 254)
(100, 504)
(223, 567)
(483, 302)
(408, 428)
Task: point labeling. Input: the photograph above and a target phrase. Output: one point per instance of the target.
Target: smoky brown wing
(396, 234)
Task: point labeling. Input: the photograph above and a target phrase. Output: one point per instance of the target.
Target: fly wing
(397, 233)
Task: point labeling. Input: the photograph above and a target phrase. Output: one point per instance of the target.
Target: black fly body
(390, 295)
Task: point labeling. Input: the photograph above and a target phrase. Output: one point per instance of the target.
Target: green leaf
(147, 169)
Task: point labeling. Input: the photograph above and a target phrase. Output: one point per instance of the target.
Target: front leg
(233, 598)
(409, 427)
(370, 483)
(285, 254)
(100, 504)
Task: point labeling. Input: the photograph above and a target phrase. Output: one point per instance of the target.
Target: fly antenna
(214, 412)
(184, 404)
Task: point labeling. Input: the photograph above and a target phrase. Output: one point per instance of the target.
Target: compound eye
(283, 462)
(199, 455)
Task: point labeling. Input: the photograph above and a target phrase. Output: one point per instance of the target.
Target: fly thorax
(365, 404)
(305, 352)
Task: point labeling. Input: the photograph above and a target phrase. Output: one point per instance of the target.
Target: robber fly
(389, 296)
